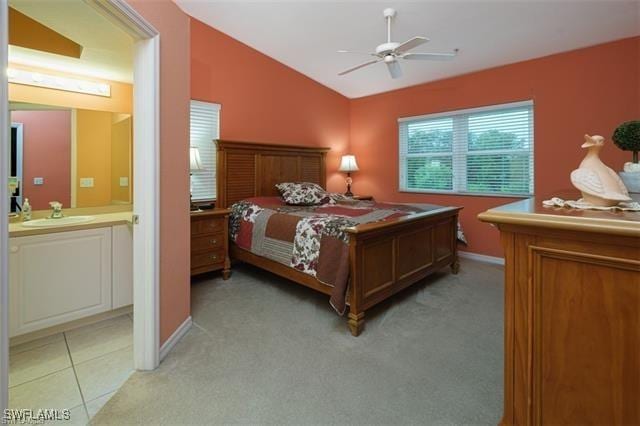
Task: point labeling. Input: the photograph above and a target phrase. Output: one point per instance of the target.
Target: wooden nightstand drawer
(207, 242)
(210, 242)
(215, 257)
(207, 226)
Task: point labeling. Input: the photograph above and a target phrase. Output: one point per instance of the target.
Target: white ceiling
(305, 35)
(107, 50)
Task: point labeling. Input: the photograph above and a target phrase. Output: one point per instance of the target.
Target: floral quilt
(311, 239)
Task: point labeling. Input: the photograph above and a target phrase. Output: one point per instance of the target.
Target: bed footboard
(389, 256)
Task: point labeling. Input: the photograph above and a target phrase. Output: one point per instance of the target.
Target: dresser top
(531, 212)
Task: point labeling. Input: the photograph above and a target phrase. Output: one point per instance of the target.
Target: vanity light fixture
(48, 81)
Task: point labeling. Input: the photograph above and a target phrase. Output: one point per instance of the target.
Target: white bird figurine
(599, 185)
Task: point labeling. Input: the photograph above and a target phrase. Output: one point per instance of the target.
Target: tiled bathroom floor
(79, 369)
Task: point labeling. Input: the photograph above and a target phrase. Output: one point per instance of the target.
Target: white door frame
(146, 115)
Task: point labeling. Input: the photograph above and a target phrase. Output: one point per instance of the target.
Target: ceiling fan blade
(359, 53)
(410, 44)
(394, 69)
(357, 67)
(429, 56)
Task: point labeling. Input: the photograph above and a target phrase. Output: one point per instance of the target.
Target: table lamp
(195, 165)
(348, 164)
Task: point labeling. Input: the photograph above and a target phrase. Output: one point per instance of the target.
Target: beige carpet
(265, 351)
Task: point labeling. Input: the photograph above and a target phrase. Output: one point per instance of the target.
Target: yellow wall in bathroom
(121, 157)
(93, 154)
(121, 99)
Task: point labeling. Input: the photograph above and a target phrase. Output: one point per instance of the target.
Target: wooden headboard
(247, 169)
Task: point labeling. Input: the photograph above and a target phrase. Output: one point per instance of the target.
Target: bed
(383, 257)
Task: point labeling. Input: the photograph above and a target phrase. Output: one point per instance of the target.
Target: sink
(63, 221)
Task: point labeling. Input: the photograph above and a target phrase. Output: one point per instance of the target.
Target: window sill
(465, 194)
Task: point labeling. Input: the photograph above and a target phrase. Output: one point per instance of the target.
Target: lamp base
(349, 182)
(192, 207)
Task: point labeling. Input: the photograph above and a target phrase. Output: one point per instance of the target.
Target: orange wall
(45, 135)
(93, 154)
(589, 90)
(175, 289)
(265, 101)
(121, 151)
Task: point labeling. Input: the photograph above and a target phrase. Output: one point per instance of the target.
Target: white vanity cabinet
(59, 277)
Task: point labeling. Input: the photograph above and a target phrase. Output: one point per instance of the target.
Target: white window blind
(205, 128)
(483, 151)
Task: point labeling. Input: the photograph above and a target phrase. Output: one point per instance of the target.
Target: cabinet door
(586, 329)
(122, 254)
(60, 277)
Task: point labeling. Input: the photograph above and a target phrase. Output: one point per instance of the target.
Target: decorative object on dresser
(627, 138)
(210, 242)
(349, 165)
(572, 297)
(195, 165)
(383, 257)
(599, 185)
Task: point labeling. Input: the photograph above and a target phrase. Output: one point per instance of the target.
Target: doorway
(15, 168)
(145, 193)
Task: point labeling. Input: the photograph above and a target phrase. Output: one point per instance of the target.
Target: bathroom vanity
(66, 273)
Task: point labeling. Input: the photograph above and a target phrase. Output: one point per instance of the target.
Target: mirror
(79, 157)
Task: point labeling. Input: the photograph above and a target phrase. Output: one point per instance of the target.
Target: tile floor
(79, 369)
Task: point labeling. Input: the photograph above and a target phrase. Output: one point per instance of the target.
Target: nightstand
(210, 242)
(363, 197)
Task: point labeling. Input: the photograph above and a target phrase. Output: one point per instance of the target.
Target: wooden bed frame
(384, 257)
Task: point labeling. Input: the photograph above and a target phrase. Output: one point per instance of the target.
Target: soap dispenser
(26, 210)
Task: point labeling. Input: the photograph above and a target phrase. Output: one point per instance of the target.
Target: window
(205, 129)
(483, 151)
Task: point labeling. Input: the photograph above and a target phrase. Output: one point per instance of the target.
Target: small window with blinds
(205, 129)
(480, 151)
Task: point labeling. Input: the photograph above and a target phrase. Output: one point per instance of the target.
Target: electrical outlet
(124, 181)
(38, 181)
(86, 182)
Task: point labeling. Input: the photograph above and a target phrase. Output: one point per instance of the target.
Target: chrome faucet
(57, 210)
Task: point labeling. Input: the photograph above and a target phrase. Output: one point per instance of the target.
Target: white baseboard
(175, 338)
(481, 257)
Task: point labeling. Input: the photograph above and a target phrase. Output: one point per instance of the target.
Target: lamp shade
(194, 159)
(348, 164)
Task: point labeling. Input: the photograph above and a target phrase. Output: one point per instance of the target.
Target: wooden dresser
(210, 242)
(572, 314)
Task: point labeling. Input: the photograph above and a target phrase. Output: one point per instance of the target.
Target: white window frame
(459, 152)
(216, 135)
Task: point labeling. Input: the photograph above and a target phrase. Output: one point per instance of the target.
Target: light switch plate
(38, 181)
(124, 181)
(86, 182)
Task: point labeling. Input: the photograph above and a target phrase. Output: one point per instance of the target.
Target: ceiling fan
(390, 51)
